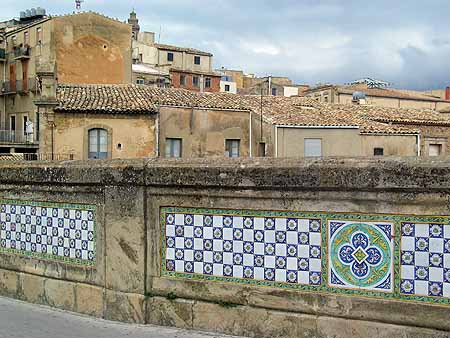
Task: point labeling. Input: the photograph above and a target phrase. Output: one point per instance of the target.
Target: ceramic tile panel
(54, 231)
(425, 259)
(270, 249)
(402, 257)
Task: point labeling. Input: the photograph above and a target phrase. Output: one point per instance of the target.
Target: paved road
(22, 320)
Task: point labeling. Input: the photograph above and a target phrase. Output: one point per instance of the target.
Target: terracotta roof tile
(298, 111)
(112, 99)
(181, 49)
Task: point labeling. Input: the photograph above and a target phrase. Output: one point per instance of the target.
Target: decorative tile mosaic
(401, 257)
(361, 255)
(284, 250)
(48, 230)
(425, 259)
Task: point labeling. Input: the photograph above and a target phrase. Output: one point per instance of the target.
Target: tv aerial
(78, 4)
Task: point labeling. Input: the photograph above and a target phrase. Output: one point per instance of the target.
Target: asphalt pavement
(23, 320)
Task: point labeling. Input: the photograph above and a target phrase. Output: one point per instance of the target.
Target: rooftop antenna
(78, 4)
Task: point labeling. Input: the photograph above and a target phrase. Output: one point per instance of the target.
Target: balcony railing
(2, 55)
(17, 157)
(8, 87)
(22, 53)
(11, 136)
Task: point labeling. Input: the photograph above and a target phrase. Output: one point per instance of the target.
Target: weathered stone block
(32, 288)
(125, 239)
(89, 300)
(60, 294)
(8, 283)
(125, 307)
(176, 313)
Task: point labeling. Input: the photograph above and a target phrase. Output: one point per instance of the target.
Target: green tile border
(396, 219)
(51, 257)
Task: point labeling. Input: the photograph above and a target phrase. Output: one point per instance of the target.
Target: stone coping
(387, 174)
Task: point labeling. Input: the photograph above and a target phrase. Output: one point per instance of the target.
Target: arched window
(98, 143)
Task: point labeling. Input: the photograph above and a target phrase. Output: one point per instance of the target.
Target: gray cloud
(405, 42)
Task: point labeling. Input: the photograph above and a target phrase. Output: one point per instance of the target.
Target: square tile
(358, 251)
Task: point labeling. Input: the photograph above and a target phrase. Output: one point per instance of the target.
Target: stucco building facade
(139, 121)
(78, 48)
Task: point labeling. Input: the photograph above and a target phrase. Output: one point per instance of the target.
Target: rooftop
(277, 110)
(381, 92)
(181, 49)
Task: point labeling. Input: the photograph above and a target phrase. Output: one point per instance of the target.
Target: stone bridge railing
(265, 248)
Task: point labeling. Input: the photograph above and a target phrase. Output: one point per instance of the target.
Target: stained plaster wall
(125, 284)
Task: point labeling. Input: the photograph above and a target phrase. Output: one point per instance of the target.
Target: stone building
(78, 48)
(189, 68)
(141, 121)
(381, 97)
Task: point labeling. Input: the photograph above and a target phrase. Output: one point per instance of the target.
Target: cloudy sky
(405, 42)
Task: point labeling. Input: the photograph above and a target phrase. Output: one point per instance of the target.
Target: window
(12, 125)
(14, 40)
(39, 35)
(182, 80)
(98, 144)
(207, 82)
(262, 149)
(435, 150)
(378, 152)
(26, 38)
(170, 57)
(274, 91)
(232, 148)
(173, 147)
(25, 120)
(196, 60)
(227, 88)
(37, 126)
(196, 81)
(140, 81)
(313, 147)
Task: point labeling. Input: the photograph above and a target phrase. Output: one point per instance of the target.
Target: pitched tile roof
(111, 99)
(283, 111)
(181, 49)
(387, 92)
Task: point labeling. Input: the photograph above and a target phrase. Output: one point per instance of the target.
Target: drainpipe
(3, 117)
(250, 133)
(418, 146)
(158, 154)
(276, 141)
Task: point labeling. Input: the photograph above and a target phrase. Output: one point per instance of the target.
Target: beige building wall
(392, 145)
(129, 136)
(335, 142)
(203, 132)
(91, 48)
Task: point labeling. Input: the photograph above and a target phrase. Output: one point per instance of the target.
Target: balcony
(16, 137)
(2, 55)
(8, 88)
(22, 53)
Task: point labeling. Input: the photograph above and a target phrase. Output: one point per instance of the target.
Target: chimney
(447, 93)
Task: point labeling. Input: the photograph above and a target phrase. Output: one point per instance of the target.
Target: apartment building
(38, 49)
(189, 68)
(376, 96)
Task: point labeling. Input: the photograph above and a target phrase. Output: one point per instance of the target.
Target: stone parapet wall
(326, 245)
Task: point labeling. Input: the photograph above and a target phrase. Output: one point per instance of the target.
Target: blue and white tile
(258, 248)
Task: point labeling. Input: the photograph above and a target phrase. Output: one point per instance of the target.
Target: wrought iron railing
(15, 136)
(20, 52)
(17, 157)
